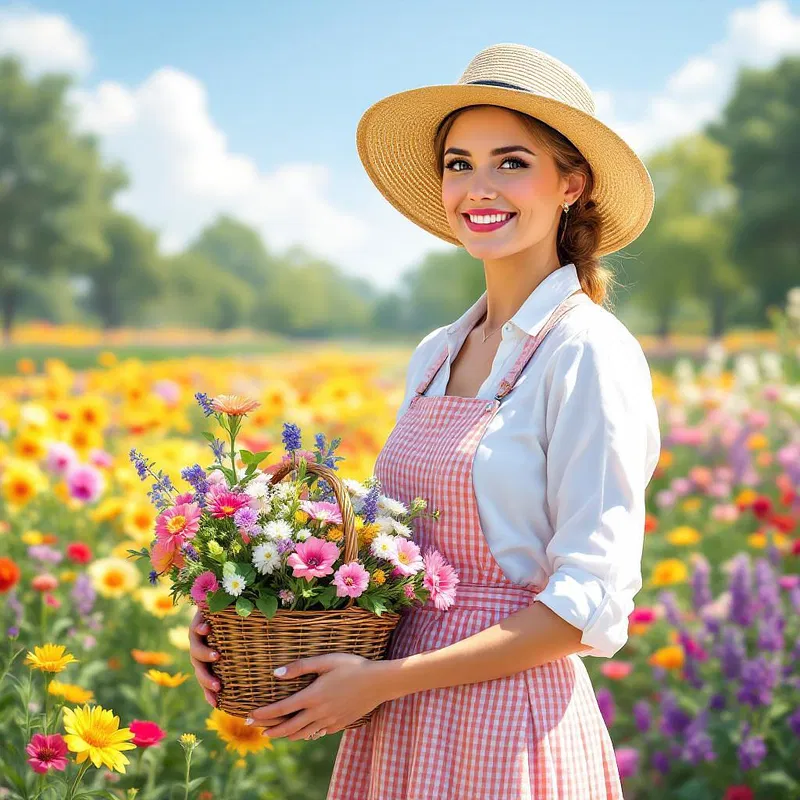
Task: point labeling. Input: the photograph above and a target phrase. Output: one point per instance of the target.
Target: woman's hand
(200, 655)
(348, 687)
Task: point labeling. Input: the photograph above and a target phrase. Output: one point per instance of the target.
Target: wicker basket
(251, 647)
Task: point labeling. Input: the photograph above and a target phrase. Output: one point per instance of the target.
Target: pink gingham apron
(534, 735)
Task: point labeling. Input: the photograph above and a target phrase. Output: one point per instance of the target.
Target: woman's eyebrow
(496, 152)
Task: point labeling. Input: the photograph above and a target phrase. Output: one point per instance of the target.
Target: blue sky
(267, 96)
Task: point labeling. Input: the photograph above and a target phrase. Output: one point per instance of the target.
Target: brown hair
(581, 228)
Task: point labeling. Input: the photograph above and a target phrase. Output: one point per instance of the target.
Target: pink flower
(204, 583)
(627, 761)
(60, 458)
(642, 615)
(287, 458)
(616, 670)
(351, 580)
(789, 581)
(165, 554)
(325, 512)
(85, 483)
(406, 557)
(221, 504)
(313, 558)
(52, 601)
(100, 458)
(146, 734)
(725, 512)
(179, 523)
(440, 580)
(47, 752)
(409, 591)
(186, 497)
(44, 582)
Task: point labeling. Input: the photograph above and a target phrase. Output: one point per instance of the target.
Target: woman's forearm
(527, 638)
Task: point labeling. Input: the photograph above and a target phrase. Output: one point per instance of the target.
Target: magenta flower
(186, 497)
(351, 580)
(60, 458)
(47, 752)
(146, 734)
(85, 482)
(221, 504)
(179, 523)
(440, 579)
(313, 558)
(324, 512)
(406, 557)
(627, 761)
(204, 583)
(100, 458)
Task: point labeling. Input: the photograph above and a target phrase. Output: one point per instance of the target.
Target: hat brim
(395, 139)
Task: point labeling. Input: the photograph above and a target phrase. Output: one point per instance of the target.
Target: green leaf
(328, 596)
(779, 779)
(219, 600)
(244, 607)
(195, 782)
(267, 605)
(209, 436)
(246, 456)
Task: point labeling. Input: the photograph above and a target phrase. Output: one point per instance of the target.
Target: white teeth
(487, 220)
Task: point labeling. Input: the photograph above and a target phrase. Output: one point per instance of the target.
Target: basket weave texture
(251, 647)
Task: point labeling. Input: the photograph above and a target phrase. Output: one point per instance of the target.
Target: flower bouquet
(287, 569)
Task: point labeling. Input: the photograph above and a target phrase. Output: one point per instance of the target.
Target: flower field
(97, 696)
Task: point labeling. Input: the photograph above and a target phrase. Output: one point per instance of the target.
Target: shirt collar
(533, 312)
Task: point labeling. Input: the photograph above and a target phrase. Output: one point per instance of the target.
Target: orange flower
(236, 405)
(9, 574)
(670, 657)
(151, 658)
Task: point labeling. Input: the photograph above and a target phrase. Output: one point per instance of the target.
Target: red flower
(79, 552)
(9, 574)
(650, 523)
(46, 752)
(738, 793)
(146, 734)
(762, 507)
(796, 547)
(785, 523)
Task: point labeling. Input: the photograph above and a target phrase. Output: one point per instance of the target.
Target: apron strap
(431, 373)
(566, 305)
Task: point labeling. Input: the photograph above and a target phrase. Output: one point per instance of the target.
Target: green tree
(129, 274)
(54, 190)
(759, 125)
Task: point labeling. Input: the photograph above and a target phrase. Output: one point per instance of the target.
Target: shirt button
(488, 407)
(507, 327)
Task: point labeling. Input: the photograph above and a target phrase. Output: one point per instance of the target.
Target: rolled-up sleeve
(602, 448)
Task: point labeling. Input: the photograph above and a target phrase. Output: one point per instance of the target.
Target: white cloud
(757, 36)
(44, 42)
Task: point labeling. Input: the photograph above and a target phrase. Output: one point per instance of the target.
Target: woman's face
(521, 181)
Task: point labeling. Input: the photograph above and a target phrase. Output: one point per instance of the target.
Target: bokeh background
(182, 209)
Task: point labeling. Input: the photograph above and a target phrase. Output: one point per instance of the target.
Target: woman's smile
(485, 223)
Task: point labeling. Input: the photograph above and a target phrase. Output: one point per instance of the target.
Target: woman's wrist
(391, 680)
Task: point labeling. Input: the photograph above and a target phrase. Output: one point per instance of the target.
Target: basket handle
(342, 499)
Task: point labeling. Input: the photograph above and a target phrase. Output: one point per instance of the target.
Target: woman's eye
(451, 164)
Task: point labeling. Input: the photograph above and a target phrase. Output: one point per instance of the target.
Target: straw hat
(395, 139)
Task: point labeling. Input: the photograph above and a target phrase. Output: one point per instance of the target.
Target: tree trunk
(8, 300)
(664, 319)
(717, 314)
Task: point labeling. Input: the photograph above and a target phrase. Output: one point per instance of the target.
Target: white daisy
(234, 584)
(383, 546)
(277, 529)
(385, 524)
(401, 529)
(285, 490)
(355, 487)
(266, 557)
(303, 534)
(391, 506)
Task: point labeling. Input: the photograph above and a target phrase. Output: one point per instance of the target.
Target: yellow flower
(165, 679)
(49, 658)
(21, 482)
(108, 509)
(138, 521)
(335, 533)
(691, 504)
(665, 459)
(746, 497)
(68, 575)
(188, 739)
(301, 517)
(30, 445)
(106, 358)
(158, 601)
(668, 657)
(236, 735)
(94, 733)
(113, 577)
(179, 637)
(379, 577)
(92, 411)
(32, 537)
(70, 692)
(759, 541)
(668, 572)
(757, 441)
(683, 534)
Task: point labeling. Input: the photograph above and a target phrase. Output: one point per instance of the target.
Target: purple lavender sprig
(161, 491)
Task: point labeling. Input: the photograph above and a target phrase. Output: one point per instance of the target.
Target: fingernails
(249, 721)
(215, 686)
(265, 733)
(214, 654)
(279, 671)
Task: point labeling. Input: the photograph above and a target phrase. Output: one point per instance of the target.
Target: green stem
(47, 679)
(78, 779)
(186, 779)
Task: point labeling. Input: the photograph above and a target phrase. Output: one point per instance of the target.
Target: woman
(530, 424)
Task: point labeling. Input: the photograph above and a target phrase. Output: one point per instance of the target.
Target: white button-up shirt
(561, 471)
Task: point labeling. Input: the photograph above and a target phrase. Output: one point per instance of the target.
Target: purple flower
(731, 652)
(285, 545)
(660, 762)
(196, 477)
(204, 402)
(717, 702)
(674, 720)
(291, 436)
(701, 585)
(759, 677)
(770, 633)
(84, 594)
(767, 588)
(607, 707)
(642, 716)
(245, 519)
(752, 751)
(793, 720)
(627, 761)
(698, 746)
(44, 553)
(671, 609)
(218, 449)
(369, 510)
(740, 586)
(140, 462)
